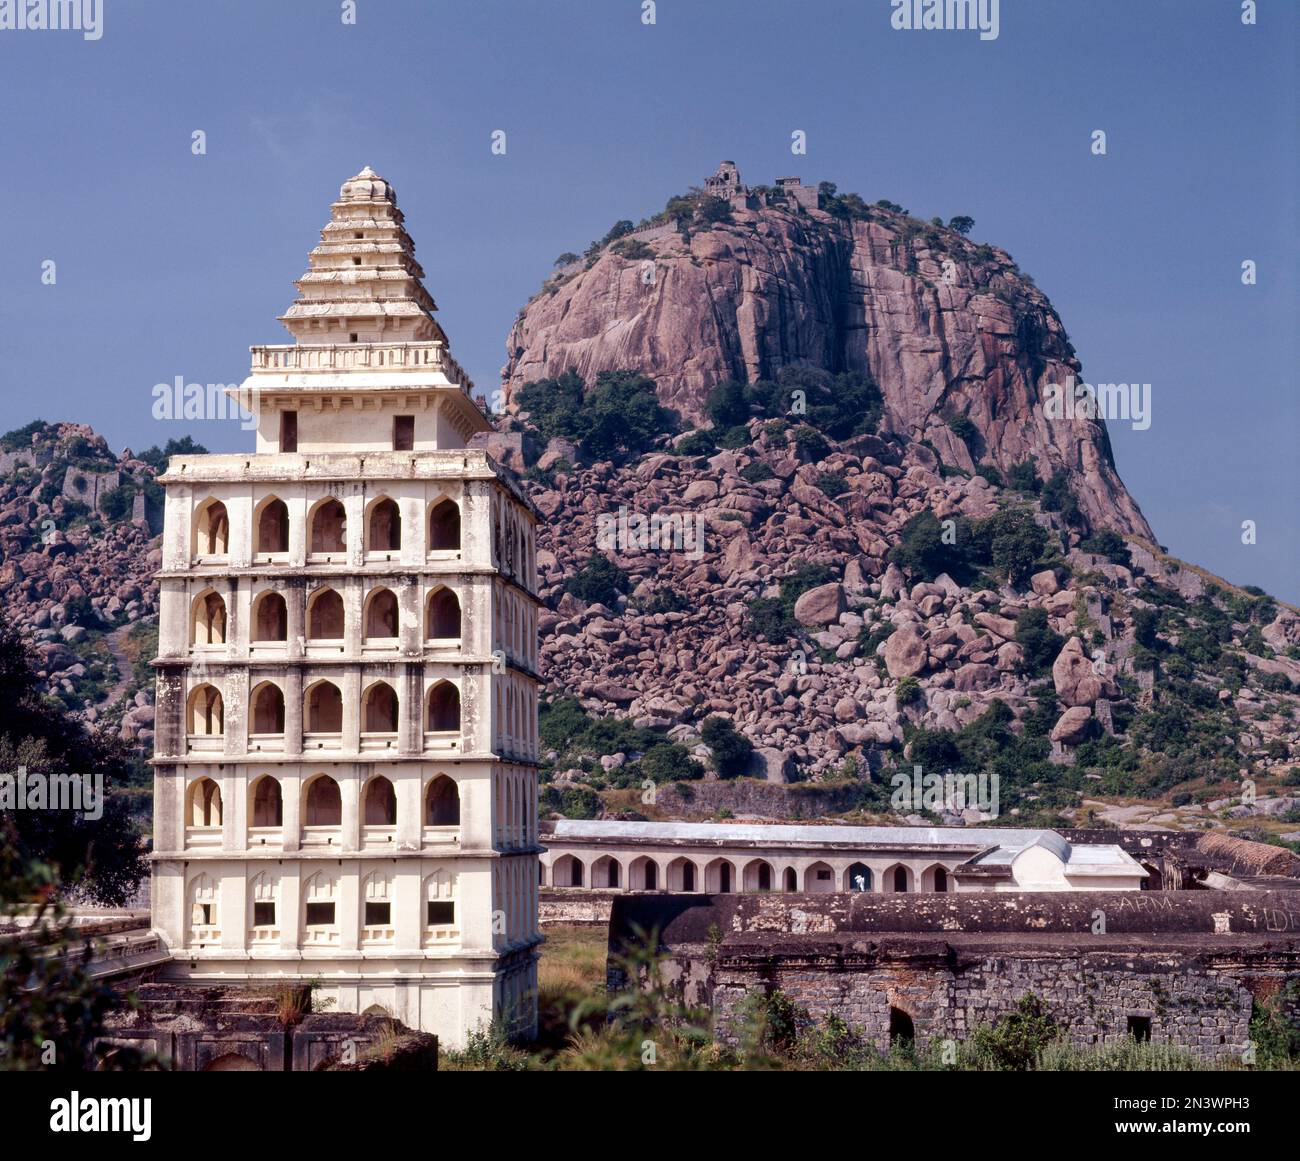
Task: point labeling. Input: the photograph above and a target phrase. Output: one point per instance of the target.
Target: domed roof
(367, 186)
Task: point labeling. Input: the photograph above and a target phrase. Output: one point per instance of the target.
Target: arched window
(325, 616)
(444, 708)
(567, 872)
(268, 806)
(204, 804)
(268, 709)
(206, 712)
(270, 618)
(606, 872)
(819, 879)
(208, 623)
(323, 802)
(381, 614)
(940, 879)
(440, 904)
(205, 896)
(211, 529)
(791, 879)
(442, 803)
(324, 708)
(377, 904)
(380, 803)
(384, 533)
(442, 615)
(379, 709)
(444, 525)
(272, 526)
(897, 879)
(329, 527)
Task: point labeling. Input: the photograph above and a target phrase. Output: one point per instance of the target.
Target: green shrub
(756, 471)
(832, 484)
(909, 691)
(962, 427)
(670, 762)
(1107, 543)
(731, 751)
(1040, 642)
(1015, 1040)
(600, 581)
(990, 473)
(1023, 477)
(698, 443)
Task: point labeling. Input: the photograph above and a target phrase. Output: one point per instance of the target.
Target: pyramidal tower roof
(363, 284)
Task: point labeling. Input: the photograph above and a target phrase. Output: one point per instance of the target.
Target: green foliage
(618, 417)
(1015, 1040)
(962, 224)
(670, 762)
(1038, 640)
(21, 437)
(963, 428)
(755, 471)
(1108, 543)
(908, 692)
(600, 580)
(1023, 477)
(922, 551)
(698, 443)
(1057, 497)
(103, 856)
(810, 444)
(51, 1009)
(990, 473)
(1011, 541)
(831, 484)
(570, 801)
(158, 456)
(731, 751)
(116, 504)
(773, 617)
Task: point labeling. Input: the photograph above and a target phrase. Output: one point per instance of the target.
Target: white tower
(345, 784)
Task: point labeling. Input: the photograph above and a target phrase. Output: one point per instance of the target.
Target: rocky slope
(77, 558)
(946, 328)
(684, 643)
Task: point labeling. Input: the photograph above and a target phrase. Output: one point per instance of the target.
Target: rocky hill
(959, 341)
(78, 550)
(953, 581)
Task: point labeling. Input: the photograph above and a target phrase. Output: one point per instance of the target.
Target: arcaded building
(345, 770)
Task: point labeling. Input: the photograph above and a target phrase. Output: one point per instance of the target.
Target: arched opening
(442, 803)
(758, 875)
(329, 527)
(897, 879)
(719, 877)
(381, 615)
(385, 527)
(325, 616)
(272, 526)
(379, 709)
(380, 808)
(205, 804)
(605, 872)
(270, 618)
(268, 805)
(939, 879)
(323, 805)
(206, 711)
(1154, 881)
(212, 529)
(819, 879)
(444, 708)
(681, 875)
(442, 615)
(444, 526)
(324, 708)
(567, 872)
(858, 877)
(902, 1032)
(268, 709)
(643, 875)
(791, 880)
(208, 621)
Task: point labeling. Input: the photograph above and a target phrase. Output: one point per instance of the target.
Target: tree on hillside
(100, 855)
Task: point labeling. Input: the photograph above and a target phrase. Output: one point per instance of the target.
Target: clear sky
(172, 264)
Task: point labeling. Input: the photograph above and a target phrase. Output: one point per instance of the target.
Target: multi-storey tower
(346, 739)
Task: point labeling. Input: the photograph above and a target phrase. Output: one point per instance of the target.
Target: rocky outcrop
(946, 329)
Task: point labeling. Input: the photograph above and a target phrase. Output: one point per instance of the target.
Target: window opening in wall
(1139, 1028)
(378, 914)
(288, 431)
(440, 914)
(403, 432)
(264, 914)
(320, 914)
(901, 1028)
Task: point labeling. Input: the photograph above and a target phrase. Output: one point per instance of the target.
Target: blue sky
(173, 264)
